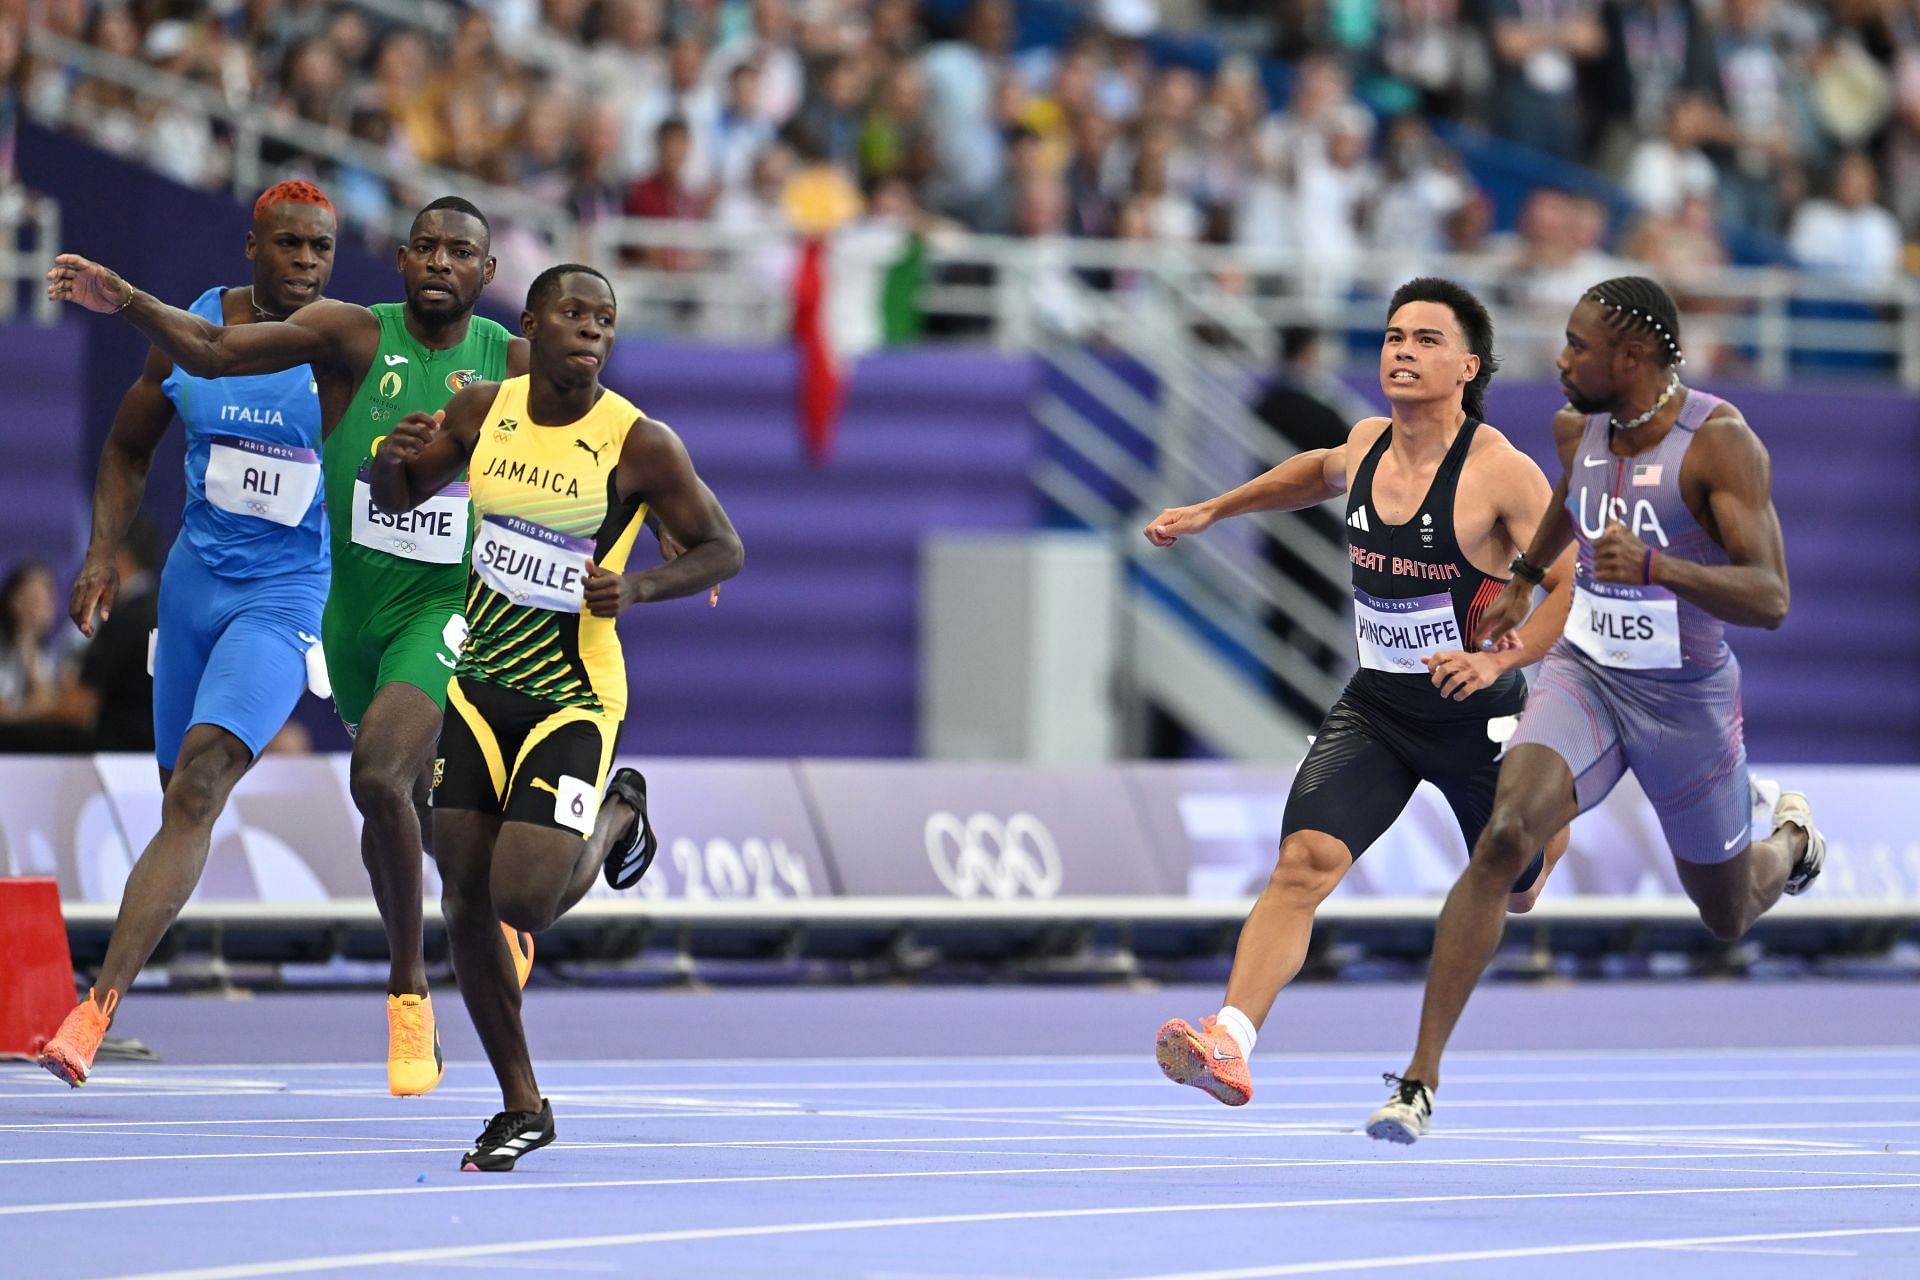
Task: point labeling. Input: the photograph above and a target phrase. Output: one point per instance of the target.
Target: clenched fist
(1166, 528)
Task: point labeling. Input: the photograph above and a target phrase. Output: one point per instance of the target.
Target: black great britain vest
(1415, 594)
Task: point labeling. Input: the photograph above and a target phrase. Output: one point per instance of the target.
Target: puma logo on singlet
(590, 449)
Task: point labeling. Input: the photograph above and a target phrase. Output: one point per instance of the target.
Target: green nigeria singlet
(399, 580)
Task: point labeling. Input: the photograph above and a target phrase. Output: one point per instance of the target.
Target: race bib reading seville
(1629, 628)
(435, 532)
(531, 564)
(254, 478)
(1393, 635)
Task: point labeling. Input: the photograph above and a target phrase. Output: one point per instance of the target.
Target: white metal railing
(1235, 299)
(29, 237)
(1204, 441)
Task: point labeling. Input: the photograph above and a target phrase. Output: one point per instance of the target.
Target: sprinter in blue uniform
(242, 591)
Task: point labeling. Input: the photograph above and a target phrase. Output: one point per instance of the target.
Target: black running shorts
(1366, 761)
(524, 759)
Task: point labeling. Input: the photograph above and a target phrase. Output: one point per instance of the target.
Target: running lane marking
(1187, 1162)
(1389, 1261)
(829, 1144)
(398, 1257)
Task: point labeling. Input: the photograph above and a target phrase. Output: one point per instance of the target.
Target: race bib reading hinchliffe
(1393, 635)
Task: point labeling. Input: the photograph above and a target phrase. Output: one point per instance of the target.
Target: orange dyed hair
(293, 191)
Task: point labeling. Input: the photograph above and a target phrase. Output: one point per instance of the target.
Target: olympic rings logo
(983, 856)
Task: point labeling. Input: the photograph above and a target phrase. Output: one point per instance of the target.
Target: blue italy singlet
(254, 499)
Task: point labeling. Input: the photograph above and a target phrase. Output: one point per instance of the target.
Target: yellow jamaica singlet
(545, 503)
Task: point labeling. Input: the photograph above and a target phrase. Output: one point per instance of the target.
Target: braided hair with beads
(1635, 304)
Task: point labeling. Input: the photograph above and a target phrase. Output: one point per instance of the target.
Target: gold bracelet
(129, 302)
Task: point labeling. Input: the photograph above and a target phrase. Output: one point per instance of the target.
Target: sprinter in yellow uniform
(562, 474)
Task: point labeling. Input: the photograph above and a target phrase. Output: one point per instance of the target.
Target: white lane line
(1608, 1056)
(473, 1186)
(306, 1154)
(464, 1117)
(827, 1144)
(391, 1257)
(1184, 1114)
(1890, 1175)
(1154, 1163)
(48, 1095)
(546, 1264)
(1730, 1248)
(249, 1137)
(1388, 1261)
(1144, 1079)
(1373, 1099)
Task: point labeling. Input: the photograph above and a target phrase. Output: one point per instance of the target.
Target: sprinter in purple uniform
(1668, 494)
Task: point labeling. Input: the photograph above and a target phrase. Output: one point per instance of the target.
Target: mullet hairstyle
(1475, 325)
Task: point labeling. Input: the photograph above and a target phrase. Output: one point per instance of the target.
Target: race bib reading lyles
(1627, 628)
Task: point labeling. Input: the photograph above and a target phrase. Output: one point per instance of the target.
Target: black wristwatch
(1522, 568)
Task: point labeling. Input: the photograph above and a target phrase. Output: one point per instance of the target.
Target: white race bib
(1621, 627)
(531, 564)
(1393, 635)
(267, 481)
(576, 804)
(435, 532)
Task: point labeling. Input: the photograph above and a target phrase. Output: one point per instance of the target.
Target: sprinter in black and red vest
(1438, 504)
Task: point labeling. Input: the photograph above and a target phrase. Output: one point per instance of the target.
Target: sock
(1239, 1026)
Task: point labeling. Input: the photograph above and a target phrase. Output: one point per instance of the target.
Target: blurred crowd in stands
(1795, 119)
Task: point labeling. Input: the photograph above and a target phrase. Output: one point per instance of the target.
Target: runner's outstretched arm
(318, 333)
(1304, 480)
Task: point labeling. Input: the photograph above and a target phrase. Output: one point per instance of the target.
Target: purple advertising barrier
(729, 830)
(981, 831)
(1218, 827)
(774, 830)
(289, 832)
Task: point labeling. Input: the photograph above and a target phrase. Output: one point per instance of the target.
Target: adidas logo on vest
(1359, 520)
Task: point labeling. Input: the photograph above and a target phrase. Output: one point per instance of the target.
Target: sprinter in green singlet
(393, 627)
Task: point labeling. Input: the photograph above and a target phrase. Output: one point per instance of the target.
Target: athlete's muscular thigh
(1353, 784)
(1534, 794)
(532, 867)
(397, 734)
(463, 843)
